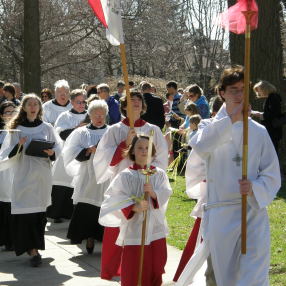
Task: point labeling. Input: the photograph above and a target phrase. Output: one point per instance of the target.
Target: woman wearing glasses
(7, 110)
(78, 154)
(46, 95)
(68, 121)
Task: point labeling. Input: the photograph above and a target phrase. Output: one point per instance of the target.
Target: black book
(36, 148)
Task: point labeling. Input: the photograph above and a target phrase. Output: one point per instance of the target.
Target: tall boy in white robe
(220, 144)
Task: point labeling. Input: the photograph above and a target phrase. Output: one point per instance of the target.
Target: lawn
(180, 225)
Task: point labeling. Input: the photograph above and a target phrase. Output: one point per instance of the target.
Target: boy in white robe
(120, 209)
(220, 144)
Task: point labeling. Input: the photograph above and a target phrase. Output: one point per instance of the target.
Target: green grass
(180, 225)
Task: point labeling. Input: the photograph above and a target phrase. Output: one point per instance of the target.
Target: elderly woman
(88, 195)
(271, 115)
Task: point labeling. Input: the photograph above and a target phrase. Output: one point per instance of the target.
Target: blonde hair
(22, 115)
(265, 87)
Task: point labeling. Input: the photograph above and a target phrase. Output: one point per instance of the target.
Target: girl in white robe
(62, 206)
(31, 183)
(109, 161)
(78, 154)
(7, 110)
(120, 209)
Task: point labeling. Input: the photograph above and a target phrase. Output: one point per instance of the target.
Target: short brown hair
(133, 93)
(9, 87)
(196, 119)
(230, 76)
(48, 92)
(194, 88)
(130, 151)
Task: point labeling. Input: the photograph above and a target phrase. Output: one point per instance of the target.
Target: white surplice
(110, 141)
(130, 183)
(66, 120)
(5, 177)
(218, 143)
(51, 111)
(86, 189)
(31, 180)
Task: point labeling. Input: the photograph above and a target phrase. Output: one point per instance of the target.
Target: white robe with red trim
(112, 144)
(130, 183)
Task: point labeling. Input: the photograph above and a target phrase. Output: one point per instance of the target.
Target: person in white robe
(88, 195)
(7, 110)
(61, 103)
(62, 206)
(220, 144)
(109, 161)
(123, 207)
(31, 182)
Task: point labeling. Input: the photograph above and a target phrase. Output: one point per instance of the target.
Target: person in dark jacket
(155, 110)
(271, 115)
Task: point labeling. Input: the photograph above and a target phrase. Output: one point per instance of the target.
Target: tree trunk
(266, 46)
(32, 58)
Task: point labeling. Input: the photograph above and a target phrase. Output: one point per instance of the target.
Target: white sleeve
(116, 197)
(10, 141)
(211, 136)
(268, 181)
(161, 158)
(71, 149)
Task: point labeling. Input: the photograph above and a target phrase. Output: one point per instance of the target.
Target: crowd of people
(72, 154)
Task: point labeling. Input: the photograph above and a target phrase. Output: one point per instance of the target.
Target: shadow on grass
(282, 193)
(277, 269)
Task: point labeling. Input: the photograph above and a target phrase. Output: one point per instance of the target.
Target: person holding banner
(109, 161)
(123, 206)
(219, 143)
(31, 175)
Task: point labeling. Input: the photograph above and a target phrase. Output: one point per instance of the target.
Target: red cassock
(189, 249)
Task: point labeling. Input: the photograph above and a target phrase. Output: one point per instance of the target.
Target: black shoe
(36, 260)
(9, 248)
(58, 220)
(91, 246)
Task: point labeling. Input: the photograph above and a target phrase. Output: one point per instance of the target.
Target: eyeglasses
(236, 91)
(45, 96)
(99, 116)
(80, 102)
(10, 112)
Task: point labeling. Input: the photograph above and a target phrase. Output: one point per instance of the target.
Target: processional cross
(237, 159)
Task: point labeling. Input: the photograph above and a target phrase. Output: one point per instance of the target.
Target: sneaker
(36, 260)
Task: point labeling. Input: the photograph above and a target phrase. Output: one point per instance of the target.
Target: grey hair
(62, 83)
(103, 87)
(77, 92)
(97, 104)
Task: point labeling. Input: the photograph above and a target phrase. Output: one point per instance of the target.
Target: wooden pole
(143, 238)
(130, 114)
(148, 173)
(248, 15)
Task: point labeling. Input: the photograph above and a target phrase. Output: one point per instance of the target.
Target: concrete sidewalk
(65, 264)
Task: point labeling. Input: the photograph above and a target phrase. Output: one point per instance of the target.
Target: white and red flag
(108, 13)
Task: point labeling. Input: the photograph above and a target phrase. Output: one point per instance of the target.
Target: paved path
(65, 264)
